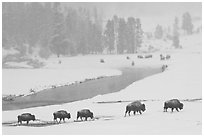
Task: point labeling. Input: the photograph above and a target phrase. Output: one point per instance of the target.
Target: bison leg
(64, 119)
(125, 113)
(172, 109)
(129, 113)
(140, 112)
(177, 109)
(85, 118)
(134, 112)
(81, 119)
(27, 122)
(20, 122)
(60, 120)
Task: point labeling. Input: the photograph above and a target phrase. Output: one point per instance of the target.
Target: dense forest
(52, 28)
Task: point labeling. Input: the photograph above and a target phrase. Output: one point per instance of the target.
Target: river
(81, 91)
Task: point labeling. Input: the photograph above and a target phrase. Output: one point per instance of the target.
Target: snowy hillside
(181, 80)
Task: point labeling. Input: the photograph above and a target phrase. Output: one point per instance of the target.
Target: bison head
(68, 115)
(55, 116)
(181, 106)
(143, 107)
(33, 117)
(91, 115)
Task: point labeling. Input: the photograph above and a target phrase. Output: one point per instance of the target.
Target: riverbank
(80, 91)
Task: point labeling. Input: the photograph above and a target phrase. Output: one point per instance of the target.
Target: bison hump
(137, 103)
(26, 114)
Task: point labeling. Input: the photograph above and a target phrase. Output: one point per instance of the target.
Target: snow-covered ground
(182, 80)
(111, 120)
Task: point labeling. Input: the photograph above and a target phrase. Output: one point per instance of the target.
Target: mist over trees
(54, 29)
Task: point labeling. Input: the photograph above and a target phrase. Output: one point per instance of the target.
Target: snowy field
(182, 80)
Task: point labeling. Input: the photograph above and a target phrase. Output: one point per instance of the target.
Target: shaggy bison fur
(62, 114)
(173, 103)
(25, 117)
(84, 113)
(135, 106)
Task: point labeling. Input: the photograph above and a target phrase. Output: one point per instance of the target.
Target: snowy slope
(181, 80)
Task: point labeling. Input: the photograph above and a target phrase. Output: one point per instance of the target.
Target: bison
(25, 117)
(148, 56)
(135, 106)
(164, 67)
(62, 114)
(140, 56)
(84, 113)
(102, 61)
(168, 56)
(173, 103)
(133, 63)
(162, 57)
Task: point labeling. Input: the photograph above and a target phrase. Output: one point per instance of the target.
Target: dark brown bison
(173, 103)
(148, 56)
(168, 56)
(84, 113)
(62, 114)
(164, 67)
(135, 106)
(102, 61)
(140, 56)
(162, 57)
(133, 63)
(25, 117)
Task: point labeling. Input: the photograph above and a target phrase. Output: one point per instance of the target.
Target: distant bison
(102, 61)
(25, 117)
(148, 56)
(168, 56)
(133, 63)
(84, 113)
(140, 56)
(127, 57)
(173, 103)
(162, 57)
(135, 106)
(62, 114)
(164, 67)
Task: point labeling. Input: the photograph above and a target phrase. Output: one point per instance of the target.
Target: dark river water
(81, 91)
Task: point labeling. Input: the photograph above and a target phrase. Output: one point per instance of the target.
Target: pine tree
(131, 34)
(57, 46)
(175, 33)
(187, 23)
(116, 27)
(121, 36)
(109, 36)
(139, 34)
(158, 32)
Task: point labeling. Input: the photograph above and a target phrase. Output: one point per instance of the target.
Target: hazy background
(150, 13)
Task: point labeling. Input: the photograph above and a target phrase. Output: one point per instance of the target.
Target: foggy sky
(150, 13)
